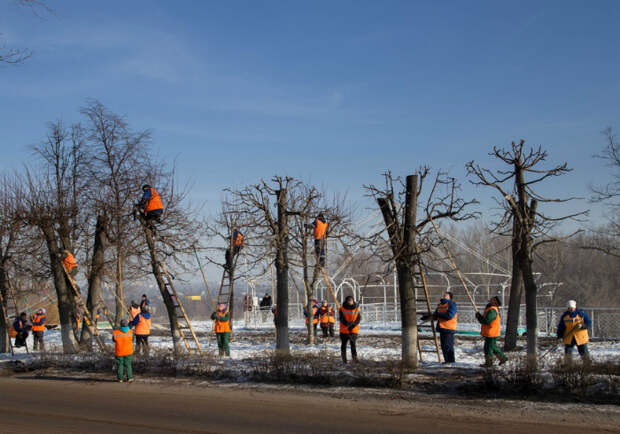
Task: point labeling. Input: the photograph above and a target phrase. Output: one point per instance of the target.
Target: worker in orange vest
(320, 237)
(221, 327)
(123, 352)
(491, 325)
(142, 330)
(68, 261)
(327, 319)
(236, 244)
(446, 316)
(134, 310)
(150, 205)
(350, 317)
(315, 315)
(38, 327)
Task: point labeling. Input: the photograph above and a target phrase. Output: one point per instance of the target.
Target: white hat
(571, 304)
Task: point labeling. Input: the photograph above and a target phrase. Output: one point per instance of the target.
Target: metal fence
(605, 321)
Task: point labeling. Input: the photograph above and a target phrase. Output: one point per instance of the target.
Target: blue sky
(331, 92)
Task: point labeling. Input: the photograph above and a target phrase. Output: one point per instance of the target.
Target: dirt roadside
(68, 404)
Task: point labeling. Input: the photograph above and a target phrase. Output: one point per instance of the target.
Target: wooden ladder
(419, 282)
(183, 323)
(88, 321)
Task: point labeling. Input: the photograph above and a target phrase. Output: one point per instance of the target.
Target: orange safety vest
(154, 201)
(133, 311)
(220, 325)
(350, 315)
(332, 315)
(238, 241)
(144, 326)
(446, 324)
(315, 320)
(123, 343)
(36, 318)
(324, 316)
(320, 229)
(570, 331)
(491, 330)
(12, 331)
(69, 262)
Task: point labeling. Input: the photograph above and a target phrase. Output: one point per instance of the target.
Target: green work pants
(491, 349)
(123, 365)
(223, 343)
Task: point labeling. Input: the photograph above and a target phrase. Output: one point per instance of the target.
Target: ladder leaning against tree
(88, 320)
(183, 324)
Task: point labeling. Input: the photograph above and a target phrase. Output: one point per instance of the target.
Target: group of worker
(572, 329)
(21, 326)
(123, 337)
(323, 316)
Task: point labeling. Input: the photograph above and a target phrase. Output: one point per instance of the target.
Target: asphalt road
(68, 405)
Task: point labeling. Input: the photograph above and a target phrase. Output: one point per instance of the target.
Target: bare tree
(10, 55)
(52, 205)
(308, 202)
(220, 230)
(172, 240)
(524, 222)
(606, 239)
(271, 229)
(118, 161)
(408, 236)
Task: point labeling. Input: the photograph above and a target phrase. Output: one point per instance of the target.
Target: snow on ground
(376, 342)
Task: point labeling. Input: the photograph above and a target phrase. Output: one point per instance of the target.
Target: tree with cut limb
(309, 202)
(271, 229)
(232, 227)
(525, 223)
(171, 239)
(52, 206)
(407, 235)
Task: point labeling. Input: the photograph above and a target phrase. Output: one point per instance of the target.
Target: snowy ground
(376, 342)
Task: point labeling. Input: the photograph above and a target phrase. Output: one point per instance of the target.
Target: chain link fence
(605, 321)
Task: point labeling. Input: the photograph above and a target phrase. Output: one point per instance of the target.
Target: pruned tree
(308, 201)
(269, 221)
(220, 231)
(408, 235)
(607, 238)
(52, 205)
(525, 223)
(171, 240)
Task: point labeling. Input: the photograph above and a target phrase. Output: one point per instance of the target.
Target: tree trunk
(96, 276)
(404, 254)
(118, 288)
(405, 278)
(64, 294)
(168, 301)
(531, 316)
(4, 327)
(516, 290)
(282, 339)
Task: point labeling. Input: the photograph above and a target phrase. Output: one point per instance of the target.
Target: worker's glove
(479, 317)
(351, 327)
(582, 327)
(426, 318)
